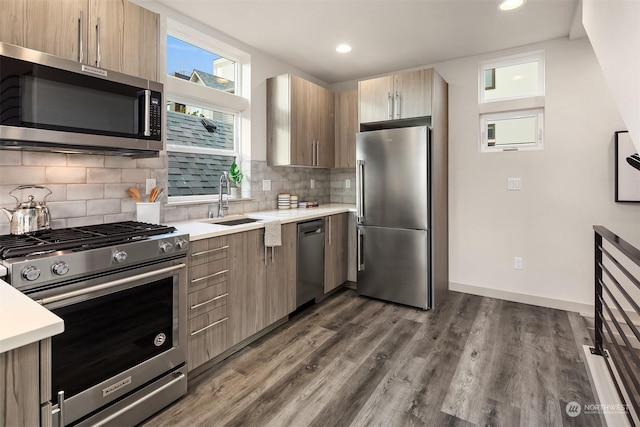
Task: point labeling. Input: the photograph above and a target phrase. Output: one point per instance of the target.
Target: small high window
(511, 103)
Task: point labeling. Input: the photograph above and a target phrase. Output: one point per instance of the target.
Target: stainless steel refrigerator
(393, 200)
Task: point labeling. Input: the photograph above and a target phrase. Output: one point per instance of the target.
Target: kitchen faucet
(223, 205)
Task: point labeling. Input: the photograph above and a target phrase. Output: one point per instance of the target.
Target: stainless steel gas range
(121, 290)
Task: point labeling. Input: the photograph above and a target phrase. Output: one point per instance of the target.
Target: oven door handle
(112, 284)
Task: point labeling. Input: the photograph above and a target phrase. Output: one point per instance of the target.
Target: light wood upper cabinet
(51, 26)
(400, 96)
(335, 251)
(346, 128)
(123, 37)
(128, 34)
(300, 123)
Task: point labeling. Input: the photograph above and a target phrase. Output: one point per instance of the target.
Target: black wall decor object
(627, 178)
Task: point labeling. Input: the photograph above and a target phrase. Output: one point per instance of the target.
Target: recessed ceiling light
(511, 4)
(343, 48)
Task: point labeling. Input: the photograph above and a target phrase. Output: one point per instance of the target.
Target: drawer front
(202, 276)
(207, 336)
(206, 251)
(207, 299)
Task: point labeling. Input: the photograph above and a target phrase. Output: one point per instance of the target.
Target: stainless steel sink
(237, 221)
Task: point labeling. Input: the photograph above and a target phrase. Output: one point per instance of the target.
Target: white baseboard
(583, 309)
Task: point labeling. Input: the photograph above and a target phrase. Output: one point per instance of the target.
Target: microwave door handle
(147, 113)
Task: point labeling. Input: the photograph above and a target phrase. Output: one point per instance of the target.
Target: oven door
(122, 331)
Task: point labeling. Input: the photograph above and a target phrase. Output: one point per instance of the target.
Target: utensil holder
(148, 212)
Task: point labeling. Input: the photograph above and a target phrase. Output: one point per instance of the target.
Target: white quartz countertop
(201, 229)
(24, 321)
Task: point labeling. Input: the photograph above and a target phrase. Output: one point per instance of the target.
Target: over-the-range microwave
(49, 103)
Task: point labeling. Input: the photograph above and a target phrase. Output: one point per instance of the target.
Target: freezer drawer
(394, 265)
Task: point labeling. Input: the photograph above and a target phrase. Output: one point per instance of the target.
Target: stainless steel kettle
(30, 216)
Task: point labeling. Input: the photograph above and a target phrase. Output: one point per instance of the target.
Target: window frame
(511, 106)
(178, 90)
(538, 113)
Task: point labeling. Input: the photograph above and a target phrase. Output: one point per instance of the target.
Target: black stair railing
(615, 286)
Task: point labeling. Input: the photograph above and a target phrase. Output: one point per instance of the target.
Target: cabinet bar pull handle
(317, 153)
(98, 43)
(209, 326)
(389, 102)
(209, 301)
(209, 251)
(61, 408)
(273, 258)
(80, 48)
(397, 106)
(265, 255)
(329, 219)
(209, 276)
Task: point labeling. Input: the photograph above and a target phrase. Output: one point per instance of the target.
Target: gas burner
(77, 238)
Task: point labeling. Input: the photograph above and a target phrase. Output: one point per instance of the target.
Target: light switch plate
(347, 183)
(514, 184)
(266, 185)
(151, 182)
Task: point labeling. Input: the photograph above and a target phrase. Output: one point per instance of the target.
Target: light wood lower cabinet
(208, 289)
(20, 386)
(262, 281)
(335, 251)
(281, 276)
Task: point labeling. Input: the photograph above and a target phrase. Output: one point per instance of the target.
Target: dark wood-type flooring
(355, 361)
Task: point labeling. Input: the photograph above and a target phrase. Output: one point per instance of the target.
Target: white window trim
(538, 113)
(508, 61)
(191, 94)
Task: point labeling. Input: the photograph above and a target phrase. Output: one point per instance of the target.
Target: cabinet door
(19, 389)
(375, 99)
(246, 287)
(126, 39)
(51, 26)
(413, 94)
(336, 253)
(325, 122)
(281, 276)
(346, 127)
(301, 114)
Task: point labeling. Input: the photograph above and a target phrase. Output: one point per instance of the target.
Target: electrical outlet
(517, 263)
(151, 182)
(313, 183)
(347, 183)
(266, 185)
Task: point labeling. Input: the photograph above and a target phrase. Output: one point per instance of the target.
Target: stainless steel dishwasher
(310, 283)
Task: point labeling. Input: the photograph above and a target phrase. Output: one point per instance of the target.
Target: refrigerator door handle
(360, 250)
(360, 191)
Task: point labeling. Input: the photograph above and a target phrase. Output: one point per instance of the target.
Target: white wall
(614, 30)
(567, 187)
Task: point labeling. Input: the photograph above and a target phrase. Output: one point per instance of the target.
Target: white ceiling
(386, 36)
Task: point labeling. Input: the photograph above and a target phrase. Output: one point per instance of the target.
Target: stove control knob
(30, 273)
(120, 256)
(166, 247)
(60, 268)
(182, 244)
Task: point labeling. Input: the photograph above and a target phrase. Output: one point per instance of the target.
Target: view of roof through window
(200, 66)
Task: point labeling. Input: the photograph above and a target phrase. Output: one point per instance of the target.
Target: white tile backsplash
(91, 189)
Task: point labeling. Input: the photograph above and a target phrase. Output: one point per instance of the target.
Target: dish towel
(272, 234)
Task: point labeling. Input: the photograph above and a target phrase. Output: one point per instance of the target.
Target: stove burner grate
(77, 238)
